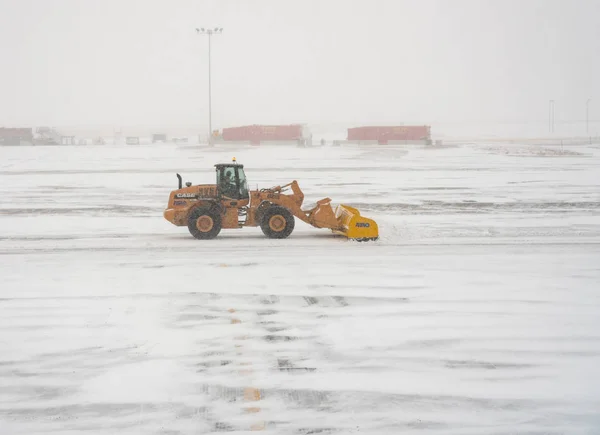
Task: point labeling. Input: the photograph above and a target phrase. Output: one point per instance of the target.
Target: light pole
(551, 116)
(209, 32)
(587, 116)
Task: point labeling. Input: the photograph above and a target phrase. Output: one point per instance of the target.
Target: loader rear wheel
(204, 223)
(277, 222)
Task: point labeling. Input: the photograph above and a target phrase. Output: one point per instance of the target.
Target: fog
(390, 280)
(127, 63)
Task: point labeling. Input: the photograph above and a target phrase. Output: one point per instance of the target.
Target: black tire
(204, 223)
(277, 222)
(261, 210)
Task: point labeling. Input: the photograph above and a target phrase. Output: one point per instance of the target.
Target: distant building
(47, 136)
(67, 140)
(159, 137)
(256, 134)
(16, 136)
(397, 134)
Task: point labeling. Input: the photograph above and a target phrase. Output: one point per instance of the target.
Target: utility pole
(587, 116)
(209, 32)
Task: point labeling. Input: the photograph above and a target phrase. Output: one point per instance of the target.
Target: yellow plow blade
(354, 226)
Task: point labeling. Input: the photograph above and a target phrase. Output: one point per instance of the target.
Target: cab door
(232, 186)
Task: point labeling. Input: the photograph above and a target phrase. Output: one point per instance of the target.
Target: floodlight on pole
(209, 32)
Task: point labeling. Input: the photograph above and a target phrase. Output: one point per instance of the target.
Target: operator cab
(231, 181)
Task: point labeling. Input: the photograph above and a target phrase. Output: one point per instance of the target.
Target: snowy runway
(477, 312)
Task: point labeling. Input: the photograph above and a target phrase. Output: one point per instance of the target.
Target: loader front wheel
(277, 222)
(204, 224)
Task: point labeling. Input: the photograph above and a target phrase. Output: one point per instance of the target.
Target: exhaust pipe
(179, 177)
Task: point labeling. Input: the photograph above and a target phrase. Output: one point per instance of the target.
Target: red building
(387, 134)
(256, 134)
(15, 136)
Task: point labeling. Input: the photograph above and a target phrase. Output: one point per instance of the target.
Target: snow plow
(207, 208)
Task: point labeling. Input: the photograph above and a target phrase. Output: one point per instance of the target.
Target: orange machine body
(207, 208)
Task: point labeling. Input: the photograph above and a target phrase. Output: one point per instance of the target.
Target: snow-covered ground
(477, 312)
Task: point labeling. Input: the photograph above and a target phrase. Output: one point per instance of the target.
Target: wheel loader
(207, 208)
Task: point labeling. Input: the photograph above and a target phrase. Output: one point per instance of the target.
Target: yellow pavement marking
(251, 394)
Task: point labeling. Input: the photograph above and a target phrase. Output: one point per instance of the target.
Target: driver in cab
(228, 186)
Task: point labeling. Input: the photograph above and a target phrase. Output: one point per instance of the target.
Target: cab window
(227, 183)
(243, 184)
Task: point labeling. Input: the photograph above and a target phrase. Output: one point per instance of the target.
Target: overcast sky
(140, 62)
